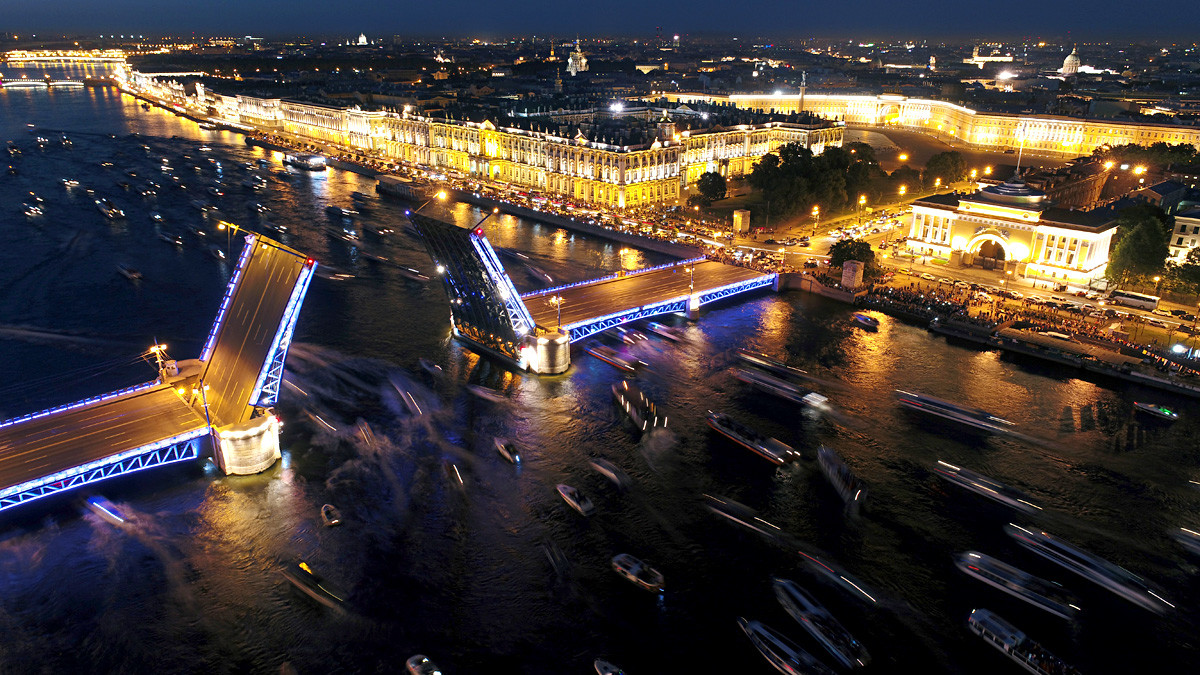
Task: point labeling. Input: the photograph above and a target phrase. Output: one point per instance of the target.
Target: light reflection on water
(461, 575)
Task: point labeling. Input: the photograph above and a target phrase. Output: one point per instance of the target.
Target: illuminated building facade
(583, 169)
(1047, 134)
(1015, 226)
(1185, 236)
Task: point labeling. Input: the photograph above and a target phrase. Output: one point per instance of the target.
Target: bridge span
(219, 401)
(534, 331)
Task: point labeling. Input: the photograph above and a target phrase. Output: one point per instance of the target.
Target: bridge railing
(79, 404)
(609, 277)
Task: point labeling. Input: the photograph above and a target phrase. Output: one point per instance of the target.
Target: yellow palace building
(1013, 226)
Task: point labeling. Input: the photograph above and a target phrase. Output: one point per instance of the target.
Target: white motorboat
(610, 471)
(109, 209)
(866, 321)
(1159, 411)
(1045, 595)
(770, 449)
(638, 572)
(982, 485)
(107, 510)
(851, 488)
(421, 665)
(819, 622)
(970, 417)
(784, 655)
(330, 515)
(506, 449)
(576, 499)
(486, 393)
(314, 585)
(605, 668)
(641, 410)
(128, 272)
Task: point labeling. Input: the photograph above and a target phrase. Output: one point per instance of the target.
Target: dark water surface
(460, 573)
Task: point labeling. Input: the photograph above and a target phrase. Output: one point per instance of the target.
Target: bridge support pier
(549, 354)
(693, 307)
(250, 447)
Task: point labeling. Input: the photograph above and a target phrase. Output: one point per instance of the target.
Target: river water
(458, 571)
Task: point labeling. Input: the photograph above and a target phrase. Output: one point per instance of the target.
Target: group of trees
(793, 179)
(1159, 155)
(1140, 249)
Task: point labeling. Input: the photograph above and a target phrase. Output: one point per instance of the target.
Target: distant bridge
(218, 400)
(533, 331)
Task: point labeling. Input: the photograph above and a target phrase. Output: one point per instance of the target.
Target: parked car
(928, 277)
(1160, 311)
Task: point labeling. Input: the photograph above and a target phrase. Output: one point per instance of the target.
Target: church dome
(1071, 63)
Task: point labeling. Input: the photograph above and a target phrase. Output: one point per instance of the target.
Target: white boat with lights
(982, 485)
(781, 388)
(430, 367)
(740, 514)
(819, 622)
(576, 499)
(421, 665)
(330, 515)
(866, 321)
(612, 357)
(638, 406)
(638, 572)
(666, 332)
(1091, 567)
(851, 489)
(109, 209)
(70, 182)
(107, 510)
(170, 238)
(156, 216)
(610, 471)
(486, 393)
(506, 449)
(768, 363)
(1015, 645)
(1159, 411)
(784, 655)
(306, 162)
(33, 210)
(774, 451)
(314, 585)
(1045, 595)
(605, 668)
(971, 417)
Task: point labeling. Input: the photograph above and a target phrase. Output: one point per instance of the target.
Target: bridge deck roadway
(47, 445)
(248, 329)
(591, 301)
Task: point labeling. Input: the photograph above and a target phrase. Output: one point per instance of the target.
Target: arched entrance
(989, 251)
(889, 114)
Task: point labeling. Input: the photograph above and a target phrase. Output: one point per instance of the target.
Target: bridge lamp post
(441, 196)
(557, 301)
(229, 228)
(494, 212)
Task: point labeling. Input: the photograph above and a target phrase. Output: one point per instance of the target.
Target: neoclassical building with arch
(1018, 228)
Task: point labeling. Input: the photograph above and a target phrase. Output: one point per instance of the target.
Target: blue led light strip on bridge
(518, 313)
(179, 448)
(247, 249)
(267, 385)
(610, 277)
(79, 404)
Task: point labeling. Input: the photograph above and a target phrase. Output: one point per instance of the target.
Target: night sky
(865, 19)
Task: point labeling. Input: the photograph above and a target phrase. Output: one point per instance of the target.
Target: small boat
(204, 148)
(866, 321)
(411, 274)
(314, 585)
(576, 499)
(261, 208)
(156, 216)
(638, 572)
(208, 126)
(781, 388)
(172, 239)
(339, 212)
(853, 586)
(1189, 539)
(197, 231)
(1015, 645)
(665, 332)
(33, 210)
(330, 515)
(1159, 411)
(610, 356)
(359, 196)
(1108, 575)
(768, 363)
(638, 406)
(610, 471)
(430, 367)
(770, 449)
(786, 656)
(106, 510)
(109, 209)
(605, 668)
(486, 393)
(628, 335)
(852, 490)
(214, 191)
(974, 418)
(1045, 595)
(740, 514)
(145, 106)
(216, 252)
(982, 485)
(421, 665)
(128, 272)
(820, 623)
(70, 182)
(454, 476)
(506, 449)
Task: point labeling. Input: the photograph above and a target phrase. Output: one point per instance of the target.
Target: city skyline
(866, 20)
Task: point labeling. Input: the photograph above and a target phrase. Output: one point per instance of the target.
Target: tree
(851, 249)
(1142, 243)
(949, 166)
(712, 186)
(699, 200)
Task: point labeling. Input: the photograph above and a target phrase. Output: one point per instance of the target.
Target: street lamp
(937, 183)
(903, 190)
(1156, 280)
(816, 212)
(862, 200)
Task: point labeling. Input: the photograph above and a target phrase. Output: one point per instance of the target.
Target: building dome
(1071, 63)
(1014, 191)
